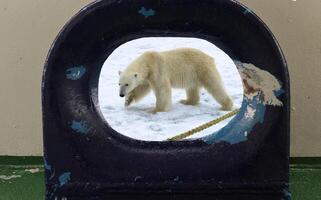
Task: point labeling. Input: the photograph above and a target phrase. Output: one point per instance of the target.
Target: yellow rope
(202, 127)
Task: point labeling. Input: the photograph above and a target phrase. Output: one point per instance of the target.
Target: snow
(135, 122)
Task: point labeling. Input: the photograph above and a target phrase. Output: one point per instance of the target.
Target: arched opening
(180, 118)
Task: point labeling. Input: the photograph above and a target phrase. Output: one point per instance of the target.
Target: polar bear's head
(128, 82)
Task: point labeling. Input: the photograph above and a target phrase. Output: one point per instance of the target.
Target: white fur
(186, 68)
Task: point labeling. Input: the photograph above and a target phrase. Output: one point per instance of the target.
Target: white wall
(29, 27)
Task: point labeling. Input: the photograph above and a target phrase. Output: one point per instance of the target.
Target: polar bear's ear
(119, 72)
(136, 75)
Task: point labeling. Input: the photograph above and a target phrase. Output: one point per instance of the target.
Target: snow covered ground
(135, 122)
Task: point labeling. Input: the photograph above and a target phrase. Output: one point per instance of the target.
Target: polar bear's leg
(163, 95)
(193, 97)
(214, 85)
(138, 93)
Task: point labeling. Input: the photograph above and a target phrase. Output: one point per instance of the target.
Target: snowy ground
(135, 122)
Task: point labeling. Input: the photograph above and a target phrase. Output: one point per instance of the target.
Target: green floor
(23, 179)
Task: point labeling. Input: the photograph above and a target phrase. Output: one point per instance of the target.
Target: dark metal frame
(96, 162)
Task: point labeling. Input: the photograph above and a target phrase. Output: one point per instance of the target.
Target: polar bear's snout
(122, 92)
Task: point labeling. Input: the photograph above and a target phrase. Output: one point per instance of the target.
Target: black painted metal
(100, 163)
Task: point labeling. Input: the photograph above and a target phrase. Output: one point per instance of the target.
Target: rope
(203, 126)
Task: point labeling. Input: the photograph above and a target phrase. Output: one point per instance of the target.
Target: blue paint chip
(75, 73)
(279, 92)
(240, 126)
(64, 178)
(146, 13)
(237, 130)
(80, 127)
(247, 11)
(286, 194)
(47, 166)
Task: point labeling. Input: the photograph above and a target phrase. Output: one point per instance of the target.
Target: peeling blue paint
(146, 13)
(286, 193)
(240, 126)
(80, 127)
(64, 178)
(75, 73)
(236, 131)
(52, 175)
(247, 11)
(279, 92)
(47, 166)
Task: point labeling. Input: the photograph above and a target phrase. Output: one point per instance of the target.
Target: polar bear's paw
(129, 100)
(227, 105)
(188, 102)
(155, 110)
(152, 111)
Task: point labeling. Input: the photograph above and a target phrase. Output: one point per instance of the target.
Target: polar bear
(186, 68)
